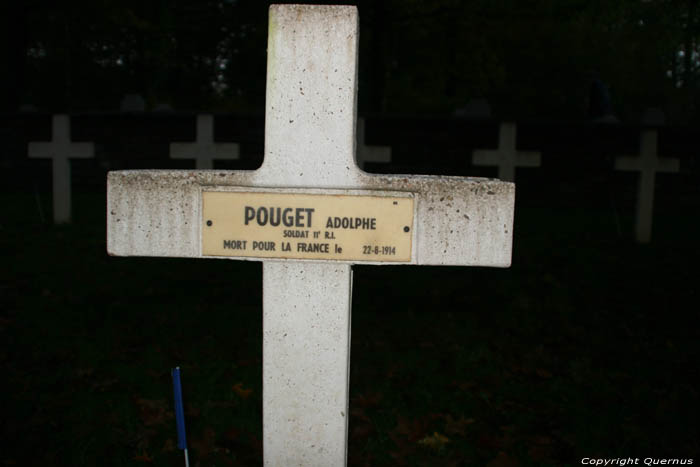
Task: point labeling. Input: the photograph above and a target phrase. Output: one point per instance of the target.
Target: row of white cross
(310, 151)
(205, 150)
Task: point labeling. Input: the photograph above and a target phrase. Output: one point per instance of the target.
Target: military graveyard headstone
(380, 154)
(309, 213)
(204, 150)
(647, 163)
(654, 116)
(475, 109)
(28, 108)
(507, 158)
(132, 103)
(60, 149)
(162, 108)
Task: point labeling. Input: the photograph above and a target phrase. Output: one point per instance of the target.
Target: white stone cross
(648, 163)
(309, 185)
(132, 103)
(365, 153)
(506, 157)
(204, 151)
(60, 149)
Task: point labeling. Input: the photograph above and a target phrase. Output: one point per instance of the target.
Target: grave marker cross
(506, 157)
(648, 163)
(204, 151)
(309, 160)
(60, 149)
(364, 153)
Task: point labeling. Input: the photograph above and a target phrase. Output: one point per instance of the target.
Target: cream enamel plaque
(342, 227)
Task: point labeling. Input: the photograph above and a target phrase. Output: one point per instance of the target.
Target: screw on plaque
(209, 223)
(406, 229)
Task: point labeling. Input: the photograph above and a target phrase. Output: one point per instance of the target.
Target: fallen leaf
(242, 393)
(206, 444)
(143, 458)
(457, 427)
(4, 322)
(542, 373)
(367, 400)
(361, 430)
(392, 372)
(248, 362)
(84, 372)
(153, 411)
(542, 439)
(155, 374)
(489, 441)
(219, 405)
(466, 385)
(358, 416)
(191, 411)
(168, 446)
(408, 430)
(232, 435)
(436, 441)
(103, 384)
(540, 453)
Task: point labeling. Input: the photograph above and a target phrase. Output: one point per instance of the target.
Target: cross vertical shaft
(61, 190)
(507, 142)
(310, 98)
(645, 189)
(306, 356)
(366, 153)
(205, 133)
(309, 141)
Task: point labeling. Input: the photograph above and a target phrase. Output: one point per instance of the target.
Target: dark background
(586, 347)
(529, 59)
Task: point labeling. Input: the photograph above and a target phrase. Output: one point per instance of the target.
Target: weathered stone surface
(459, 221)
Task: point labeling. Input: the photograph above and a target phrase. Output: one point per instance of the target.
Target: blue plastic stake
(179, 414)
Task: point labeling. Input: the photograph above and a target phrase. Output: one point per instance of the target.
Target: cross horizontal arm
(43, 150)
(637, 164)
(458, 221)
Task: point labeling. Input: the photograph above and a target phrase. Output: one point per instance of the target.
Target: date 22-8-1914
(378, 250)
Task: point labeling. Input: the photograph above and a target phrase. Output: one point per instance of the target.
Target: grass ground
(586, 347)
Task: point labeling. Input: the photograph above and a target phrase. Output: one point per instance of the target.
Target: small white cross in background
(132, 103)
(309, 213)
(60, 150)
(648, 163)
(204, 150)
(381, 154)
(506, 157)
